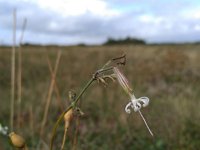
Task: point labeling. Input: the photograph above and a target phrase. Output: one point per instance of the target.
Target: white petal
(127, 108)
(137, 106)
(145, 101)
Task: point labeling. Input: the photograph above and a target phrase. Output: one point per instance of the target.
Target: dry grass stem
(31, 120)
(13, 73)
(75, 140)
(50, 94)
(55, 84)
(19, 79)
(67, 118)
(23, 31)
(64, 139)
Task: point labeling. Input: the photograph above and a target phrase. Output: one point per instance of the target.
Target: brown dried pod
(68, 117)
(17, 140)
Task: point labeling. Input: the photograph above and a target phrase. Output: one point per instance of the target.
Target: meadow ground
(168, 74)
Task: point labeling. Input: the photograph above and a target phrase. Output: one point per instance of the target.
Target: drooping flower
(135, 103)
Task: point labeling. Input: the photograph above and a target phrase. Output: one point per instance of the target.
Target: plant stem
(84, 89)
(13, 73)
(104, 70)
(47, 105)
(20, 74)
(64, 139)
(74, 147)
(145, 123)
(71, 106)
(55, 83)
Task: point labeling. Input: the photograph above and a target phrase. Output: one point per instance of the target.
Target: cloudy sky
(93, 21)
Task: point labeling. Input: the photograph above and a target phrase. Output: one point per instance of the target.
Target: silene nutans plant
(109, 71)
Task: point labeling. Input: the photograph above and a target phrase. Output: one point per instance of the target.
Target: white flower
(136, 104)
(3, 130)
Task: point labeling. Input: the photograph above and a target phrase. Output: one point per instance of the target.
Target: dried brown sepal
(102, 80)
(79, 112)
(120, 60)
(72, 95)
(111, 77)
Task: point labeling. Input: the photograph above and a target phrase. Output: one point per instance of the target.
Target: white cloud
(197, 27)
(192, 13)
(76, 7)
(146, 18)
(93, 21)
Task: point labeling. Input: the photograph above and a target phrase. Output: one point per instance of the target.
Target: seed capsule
(17, 140)
(68, 117)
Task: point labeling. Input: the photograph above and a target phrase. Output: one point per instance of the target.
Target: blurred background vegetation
(127, 40)
(168, 74)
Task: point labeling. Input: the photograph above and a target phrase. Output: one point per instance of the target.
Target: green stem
(71, 106)
(104, 70)
(84, 89)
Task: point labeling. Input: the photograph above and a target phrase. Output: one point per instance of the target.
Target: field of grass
(168, 74)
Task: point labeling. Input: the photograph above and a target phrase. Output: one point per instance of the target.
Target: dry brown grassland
(168, 74)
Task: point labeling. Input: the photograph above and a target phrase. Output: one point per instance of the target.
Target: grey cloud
(49, 27)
